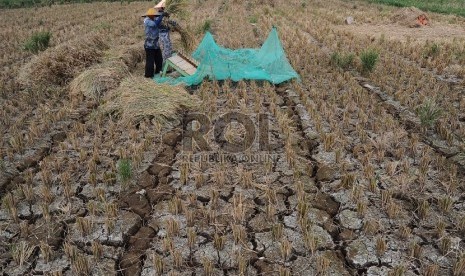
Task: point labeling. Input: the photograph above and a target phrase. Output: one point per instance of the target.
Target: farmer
(153, 53)
(165, 28)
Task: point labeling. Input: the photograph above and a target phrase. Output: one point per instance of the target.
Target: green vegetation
(429, 113)
(343, 61)
(124, 169)
(12, 4)
(441, 6)
(206, 26)
(432, 50)
(38, 42)
(369, 59)
(253, 19)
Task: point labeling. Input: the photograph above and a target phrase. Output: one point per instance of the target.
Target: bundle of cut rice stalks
(98, 80)
(187, 39)
(139, 98)
(177, 7)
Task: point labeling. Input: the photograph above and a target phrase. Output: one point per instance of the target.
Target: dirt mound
(59, 65)
(411, 17)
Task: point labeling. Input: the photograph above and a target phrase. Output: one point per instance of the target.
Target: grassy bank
(441, 6)
(11, 4)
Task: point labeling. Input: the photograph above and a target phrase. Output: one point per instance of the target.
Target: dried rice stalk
(138, 98)
(177, 7)
(180, 8)
(95, 82)
(187, 39)
(131, 55)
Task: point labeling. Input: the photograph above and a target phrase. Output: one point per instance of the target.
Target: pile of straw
(131, 54)
(58, 65)
(139, 98)
(95, 82)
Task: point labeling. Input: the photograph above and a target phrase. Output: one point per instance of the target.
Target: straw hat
(152, 11)
(161, 4)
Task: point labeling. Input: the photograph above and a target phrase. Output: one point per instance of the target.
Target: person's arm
(172, 23)
(159, 19)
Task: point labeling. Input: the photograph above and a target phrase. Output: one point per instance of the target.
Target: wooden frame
(181, 64)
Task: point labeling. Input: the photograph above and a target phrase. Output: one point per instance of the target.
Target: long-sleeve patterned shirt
(152, 32)
(166, 25)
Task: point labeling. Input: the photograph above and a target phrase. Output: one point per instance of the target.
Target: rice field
(355, 169)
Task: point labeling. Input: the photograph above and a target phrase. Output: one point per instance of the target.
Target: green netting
(218, 63)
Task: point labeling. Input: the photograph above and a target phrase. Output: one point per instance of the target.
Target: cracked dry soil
(292, 213)
(311, 205)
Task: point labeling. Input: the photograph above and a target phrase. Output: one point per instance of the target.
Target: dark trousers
(153, 56)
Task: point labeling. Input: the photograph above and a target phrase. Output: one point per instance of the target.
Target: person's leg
(163, 44)
(149, 62)
(168, 46)
(158, 61)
